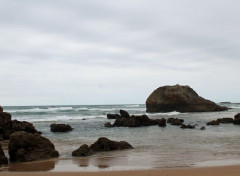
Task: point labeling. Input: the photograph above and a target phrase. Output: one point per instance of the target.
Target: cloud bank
(104, 52)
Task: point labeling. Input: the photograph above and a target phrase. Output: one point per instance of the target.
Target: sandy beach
(207, 171)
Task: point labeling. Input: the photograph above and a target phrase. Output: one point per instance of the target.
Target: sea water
(154, 146)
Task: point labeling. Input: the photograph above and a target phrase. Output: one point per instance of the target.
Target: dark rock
(108, 125)
(161, 122)
(84, 119)
(187, 126)
(3, 158)
(9, 126)
(124, 113)
(134, 121)
(24, 147)
(236, 121)
(203, 128)
(225, 120)
(104, 144)
(213, 122)
(113, 116)
(181, 99)
(1, 109)
(237, 116)
(24, 126)
(60, 127)
(83, 150)
(175, 121)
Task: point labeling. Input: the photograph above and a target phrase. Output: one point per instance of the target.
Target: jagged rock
(124, 114)
(237, 116)
(161, 122)
(24, 126)
(225, 120)
(187, 126)
(134, 121)
(108, 125)
(113, 116)
(3, 158)
(179, 98)
(24, 147)
(9, 126)
(83, 150)
(175, 121)
(203, 128)
(1, 109)
(60, 127)
(104, 144)
(213, 122)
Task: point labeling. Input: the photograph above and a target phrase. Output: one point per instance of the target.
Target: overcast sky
(114, 52)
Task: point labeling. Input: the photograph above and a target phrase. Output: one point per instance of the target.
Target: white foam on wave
(173, 113)
(60, 118)
(50, 109)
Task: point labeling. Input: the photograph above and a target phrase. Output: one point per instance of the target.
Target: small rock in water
(203, 128)
(108, 125)
(187, 126)
(83, 150)
(60, 127)
(213, 122)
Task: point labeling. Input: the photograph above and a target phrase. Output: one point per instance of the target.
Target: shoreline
(203, 171)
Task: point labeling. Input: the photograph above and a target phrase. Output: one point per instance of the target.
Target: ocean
(154, 146)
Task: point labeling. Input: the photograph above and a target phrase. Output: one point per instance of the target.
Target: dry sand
(207, 171)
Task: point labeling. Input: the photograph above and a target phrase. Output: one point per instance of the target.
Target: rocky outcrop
(237, 116)
(183, 126)
(3, 158)
(9, 126)
(25, 147)
(161, 122)
(83, 150)
(125, 120)
(179, 98)
(1, 109)
(102, 144)
(175, 121)
(225, 120)
(213, 122)
(113, 116)
(60, 127)
(124, 113)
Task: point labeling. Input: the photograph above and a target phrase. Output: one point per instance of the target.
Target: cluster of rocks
(235, 120)
(102, 144)
(25, 142)
(9, 126)
(125, 120)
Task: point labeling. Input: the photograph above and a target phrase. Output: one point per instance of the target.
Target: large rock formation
(9, 126)
(3, 158)
(181, 99)
(24, 147)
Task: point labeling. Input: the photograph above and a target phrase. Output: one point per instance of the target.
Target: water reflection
(32, 166)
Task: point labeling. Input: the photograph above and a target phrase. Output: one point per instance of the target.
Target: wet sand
(207, 171)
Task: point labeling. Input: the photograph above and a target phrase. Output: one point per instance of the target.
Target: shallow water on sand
(154, 147)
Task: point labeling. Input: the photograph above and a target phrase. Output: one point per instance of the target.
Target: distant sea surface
(154, 147)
